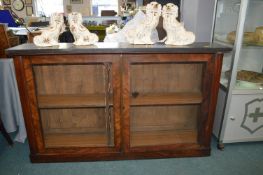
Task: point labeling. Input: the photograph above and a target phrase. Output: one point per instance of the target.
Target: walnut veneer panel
(157, 138)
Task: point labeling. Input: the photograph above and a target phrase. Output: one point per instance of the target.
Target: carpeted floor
(236, 159)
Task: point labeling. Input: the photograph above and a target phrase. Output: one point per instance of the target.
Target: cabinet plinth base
(47, 158)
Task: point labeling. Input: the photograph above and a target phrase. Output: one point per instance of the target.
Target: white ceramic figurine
(49, 36)
(143, 33)
(81, 34)
(176, 33)
(128, 30)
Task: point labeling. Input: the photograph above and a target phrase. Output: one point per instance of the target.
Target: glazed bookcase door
(166, 101)
(74, 108)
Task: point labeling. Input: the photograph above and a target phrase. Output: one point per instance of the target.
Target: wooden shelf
(167, 98)
(72, 101)
(155, 138)
(75, 140)
(98, 100)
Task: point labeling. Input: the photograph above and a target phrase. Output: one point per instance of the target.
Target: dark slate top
(69, 48)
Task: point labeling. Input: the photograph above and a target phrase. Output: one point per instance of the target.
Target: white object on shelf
(98, 20)
(247, 85)
(22, 30)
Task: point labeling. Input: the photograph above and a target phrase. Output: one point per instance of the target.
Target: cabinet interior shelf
(166, 137)
(223, 42)
(167, 99)
(244, 46)
(150, 138)
(72, 101)
(75, 140)
(98, 100)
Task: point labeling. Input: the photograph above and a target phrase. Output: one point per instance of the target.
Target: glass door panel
(165, 103)
(84, 127)
(164, 125)
(75, 104)
(226, 21)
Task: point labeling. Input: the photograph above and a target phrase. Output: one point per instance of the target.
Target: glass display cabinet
(239, 114)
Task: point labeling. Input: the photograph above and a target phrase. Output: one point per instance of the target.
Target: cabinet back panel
(181, 117)
(166, 77)
(70, 79)
(73, 120)
(163, 125)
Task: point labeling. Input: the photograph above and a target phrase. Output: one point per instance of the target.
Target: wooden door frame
(27, 88)
(211, 74)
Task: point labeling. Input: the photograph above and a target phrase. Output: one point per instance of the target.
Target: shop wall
(83, 8)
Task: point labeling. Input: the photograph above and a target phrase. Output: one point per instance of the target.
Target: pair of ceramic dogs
(176, 33)
(49, 36)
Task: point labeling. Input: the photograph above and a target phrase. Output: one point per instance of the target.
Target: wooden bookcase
(84, 105)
